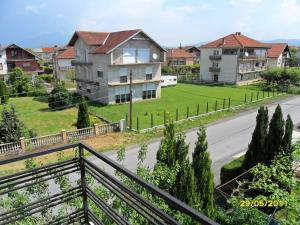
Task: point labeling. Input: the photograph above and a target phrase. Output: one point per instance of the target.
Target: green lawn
(36, 114)
(181, 97)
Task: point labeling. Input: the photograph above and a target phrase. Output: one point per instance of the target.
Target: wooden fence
(60, 138)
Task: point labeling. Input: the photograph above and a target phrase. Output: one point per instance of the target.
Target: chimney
(238, 33)
(180, 45)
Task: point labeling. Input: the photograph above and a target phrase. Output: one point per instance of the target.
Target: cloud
(247, 2)
(289, 12)
(35, 8)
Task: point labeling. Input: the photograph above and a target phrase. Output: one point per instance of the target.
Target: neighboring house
(234, 59)
(45, 54)
(63, 61)
(104, 60)
(179, 56)
(192, 49)
(13, 56)
(278, 55)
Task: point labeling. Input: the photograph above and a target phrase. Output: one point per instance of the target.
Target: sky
(169, 22)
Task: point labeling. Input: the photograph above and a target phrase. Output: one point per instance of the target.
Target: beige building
(103, 63)
(278, 55)
(180, 56)
(233, 59)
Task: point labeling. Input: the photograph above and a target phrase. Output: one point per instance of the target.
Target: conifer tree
(83, 119)
(256, 148)
(275, 136)
(288, 133)
(3, 93)
(204, 178)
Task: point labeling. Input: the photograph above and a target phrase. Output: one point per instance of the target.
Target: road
(227, 139)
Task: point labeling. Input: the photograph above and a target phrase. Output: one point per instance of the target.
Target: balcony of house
(214, 69)
(87, 187)
(215, 57)
(252, 69)
(92, 82)
(135, 81)
(78, 62)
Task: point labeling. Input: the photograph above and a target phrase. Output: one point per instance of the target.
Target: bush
(48, 70)
(59, 97)
(3, 93)
(232, 169)
(49, 78)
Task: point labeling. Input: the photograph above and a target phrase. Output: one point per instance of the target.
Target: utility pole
(130, 104)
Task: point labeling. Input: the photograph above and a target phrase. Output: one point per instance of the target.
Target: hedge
(232, 169)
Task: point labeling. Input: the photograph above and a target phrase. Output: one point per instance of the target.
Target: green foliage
(49, 78)
(19, 83)
(275, 136)
(3, 93)
(181, 70)
(204, 178)
(48, 70)
(232, 169)
(59, 97)
(11, 128)
(288, 135)
(294, 60)
(83, 119)
(257, 145)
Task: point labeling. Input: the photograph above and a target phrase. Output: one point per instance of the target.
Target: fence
(60, 138)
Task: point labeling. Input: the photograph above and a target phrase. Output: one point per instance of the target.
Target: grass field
(36, 114)
(181, 97)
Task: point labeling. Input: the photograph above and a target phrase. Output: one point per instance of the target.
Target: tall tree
(204, 177)
(256, 148)
(11, 128)
(20, 84)
(83, 118)
(3, 93)
(275, 136)
(59, 97)
(288, 133)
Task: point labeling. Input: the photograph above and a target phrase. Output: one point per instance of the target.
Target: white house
(278, 55)
(63, 62)
(104, 60)
(3, 64)
(233, 59)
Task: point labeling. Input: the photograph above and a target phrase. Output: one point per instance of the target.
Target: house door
(216, 77)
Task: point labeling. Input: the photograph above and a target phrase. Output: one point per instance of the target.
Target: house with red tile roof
(104, 61)
(278, 55)
(45, 53)
(63, 62)
(234, 59)
(180, 56)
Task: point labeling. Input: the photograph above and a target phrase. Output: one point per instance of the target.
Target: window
(149, 94)
(121, 98)
(1, 66)
(257, 64)
(229, 51)
(26, 64)
(129, 55)
(100, 72)
(216, 77)
(215, 64)
(118, 98)
(77, 52)
(123, 72)
(148, 72)
(216, 52)
(143, 55)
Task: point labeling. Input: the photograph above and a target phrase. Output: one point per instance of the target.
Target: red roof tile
(90, 38)
(276, 50)
(114, 39)
(48, 49)
(179, 53)
(235, 40)
(69, 53)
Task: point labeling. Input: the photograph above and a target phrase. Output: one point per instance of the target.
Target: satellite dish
(154, 56)
(246, 54)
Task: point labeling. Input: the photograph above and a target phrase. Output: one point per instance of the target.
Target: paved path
(227, 139)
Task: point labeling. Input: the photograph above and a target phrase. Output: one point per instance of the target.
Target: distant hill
(295, 42)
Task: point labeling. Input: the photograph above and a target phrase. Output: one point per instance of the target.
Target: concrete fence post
(122, 125)
(64, 136)
(96, 129)
(23, 145)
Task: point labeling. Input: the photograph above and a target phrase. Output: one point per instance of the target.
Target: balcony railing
(80, 63)
(215, 57)
(87, 166)
(253, 69)
(214, 69)
(251, 57)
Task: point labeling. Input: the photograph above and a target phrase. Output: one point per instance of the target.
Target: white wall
(3, 61)
(64, 63)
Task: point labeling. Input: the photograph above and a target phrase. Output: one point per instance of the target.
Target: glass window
(123, 97)
(144, 94)
(26, 64)
(129, 55)
(149, 94)
(143, 55)
(123, 79)
(127, 97)
(153, 94)
(148, 76)
(100, 72)
(123, 72)
(118, 99)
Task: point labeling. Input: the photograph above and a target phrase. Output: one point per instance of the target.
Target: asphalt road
(227, 139)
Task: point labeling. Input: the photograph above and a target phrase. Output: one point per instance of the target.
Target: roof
(276, 49)
(16, 46)
(179, 53)
(68, 53)
(105, 42)
(190, 47)
(48, 49)
(235, 40)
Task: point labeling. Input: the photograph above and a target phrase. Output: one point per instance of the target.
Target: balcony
(215, 57)
(252, 70)
(214, 69)
(252, 57)
(88, 193)
(80, 63)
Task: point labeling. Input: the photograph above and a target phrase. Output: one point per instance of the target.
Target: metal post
(206, 107)
(151, 120)
(176, 114)
(137, 124)
(126, 118)
(198, 109)
(245, 98)
(187, 112)
(164, 117)
(130, 104)
(224, 103)
(83, 185)
(216, 105)
(229, 103)
(251, 96)
(257, 95)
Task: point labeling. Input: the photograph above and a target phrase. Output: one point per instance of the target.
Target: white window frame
(129, 55)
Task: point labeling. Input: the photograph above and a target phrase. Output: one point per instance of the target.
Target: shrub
(59, 97)
(48, 70)
(3, 93)
(232, 169)
(49, 78)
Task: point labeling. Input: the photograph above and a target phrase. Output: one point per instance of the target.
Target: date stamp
(263, 203)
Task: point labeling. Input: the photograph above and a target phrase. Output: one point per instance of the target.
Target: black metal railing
(84, 166)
